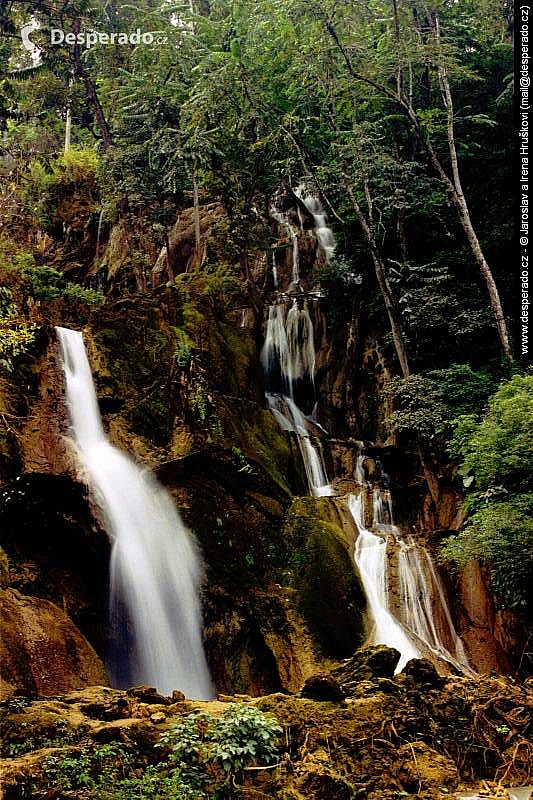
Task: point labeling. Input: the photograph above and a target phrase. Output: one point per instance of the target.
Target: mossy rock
(332, 598)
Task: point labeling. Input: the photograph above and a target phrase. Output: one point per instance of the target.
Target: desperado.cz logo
(25, 31)
(89, 38)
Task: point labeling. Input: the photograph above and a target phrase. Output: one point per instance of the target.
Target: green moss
(255, 431)
(136, 356)
(331, 595)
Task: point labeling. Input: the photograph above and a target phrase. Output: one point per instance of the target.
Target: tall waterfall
(414, 618)
(155, 568)
(288, 358)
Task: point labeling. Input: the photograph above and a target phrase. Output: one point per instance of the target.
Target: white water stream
(419, 621)
(155, 567)
(288, 359)
(293, 235)
(323, 233)
(371, 560)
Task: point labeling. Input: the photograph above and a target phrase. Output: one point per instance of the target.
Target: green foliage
(419, 407)
(427, 405)
(16, 335)
(153, 784)
(44, 282)
(34, 740)
(48, 284)
(183, 352)
(496, 458)
(500, 534)
(499, 451)
(208, 751)
(62, 190)
(463, 389)
(74, 292)
(242, 462)
(203, 755)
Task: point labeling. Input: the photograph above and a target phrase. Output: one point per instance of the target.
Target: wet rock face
(41, 651)
(478, 620)
(423, 673)
(322, 571)
(56, 549)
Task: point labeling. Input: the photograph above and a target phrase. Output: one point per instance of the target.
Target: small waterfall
(155, 568)
(423, 605)
(372, 562)
(288, 359)
(359, 472)
(323, 233)
(293, 235)
(417, 620)
(99, 232)
(274, 271)
(381, 508)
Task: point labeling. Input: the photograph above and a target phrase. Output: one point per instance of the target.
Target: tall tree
(415, 39)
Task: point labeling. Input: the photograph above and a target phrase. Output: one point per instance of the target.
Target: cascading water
(288, 358)
(359, 472)
(423, 606)
(293, 234)
(371, 560)
(323, 233)
(419, 622)
(155, 569)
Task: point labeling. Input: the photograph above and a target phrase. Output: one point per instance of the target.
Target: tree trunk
(92, 94)
(455, 190)
(196, 211)
(390, 304)
(453, 185)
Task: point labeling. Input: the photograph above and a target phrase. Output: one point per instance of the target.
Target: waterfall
(293, 235)
(274, 271)
(359, 472)
(372, 562)
(155, 568)
(288, 359)
(423, 604)
(323, 233)
(99, 232)
(419, 621)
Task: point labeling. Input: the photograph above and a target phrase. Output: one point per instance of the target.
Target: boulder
(368, 663)
(322, 687)
(423, 672)
(41, 650)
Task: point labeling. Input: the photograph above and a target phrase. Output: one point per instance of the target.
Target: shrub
(206, 750)
(16, 335)
(203, 755)
(76, 292)
(496, 456)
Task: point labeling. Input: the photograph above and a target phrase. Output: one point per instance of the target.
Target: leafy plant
(183, 352)
(419, 408)
(207, 750)
(16, 335)
(82, 294)
(242, 462)
(496, 455)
